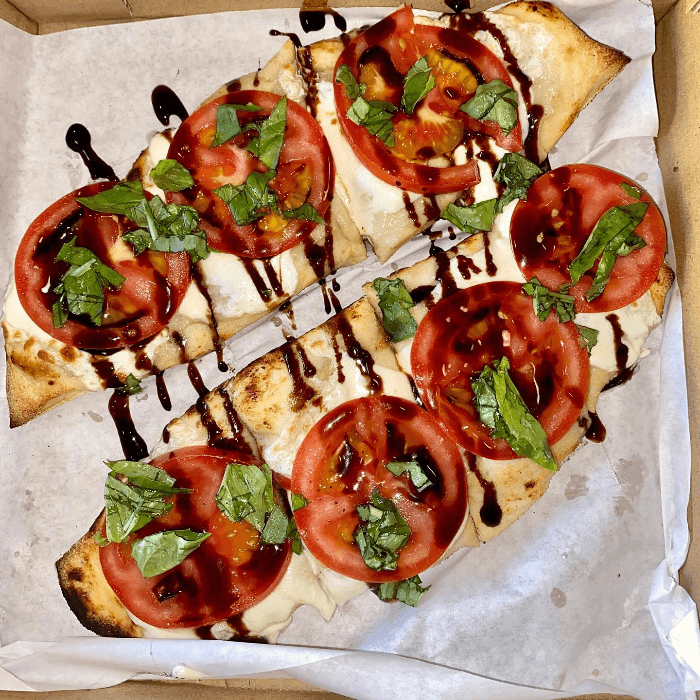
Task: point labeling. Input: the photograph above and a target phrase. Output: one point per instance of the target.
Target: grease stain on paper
(95, 416)
(576, 487)
(558, 598)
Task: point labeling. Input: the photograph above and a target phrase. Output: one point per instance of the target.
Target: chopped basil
(415, 471)
(81, 287)
(293, 536)
(345, 76)
(251, 200)
(517, 173)
(268, 144)
(375, 116)
(495, 102)
(168, 228)
(306, 212)
(101, 541)
(275, 530)
(129, 506)
(501, 408)
(417, 83)
(119, 199)
(246, 494)
(395, 302)
(631, 191)
(409, 591)
(171, 176)
(612, 237)
(543, 300)
(227, 124)
(587, 337)
(476, 217)
(384, 533)
(131, 387)
(298, 501)
(163, 551)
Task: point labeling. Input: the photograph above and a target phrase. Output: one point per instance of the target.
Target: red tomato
(154, 287)
(380, 57)
(304, 174)
(478, 325)
(550, 229)
(341, 462)
(227, 574)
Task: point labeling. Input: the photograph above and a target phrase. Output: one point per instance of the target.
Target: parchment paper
(580, 595)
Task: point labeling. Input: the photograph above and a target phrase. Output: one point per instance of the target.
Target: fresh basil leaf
(163, 551)
(517, 173)
(268, 144)
(395, 302)
(298, 501)
(476, 217)
(415, 472)
(81, 287)
(496, 102)
(275, 530)
(384, 533)
(345, 76)
(131, 387)
(246, 494)
(375, 116)
(501, 408)
(305, 212)
(227, 124)
(248, 201)
(409, 591)
(417, 83)
(171, 176)
(101, 541)
(293, 536)
(611, 237)
(146, 476)
(543, 300)
(587, 337)
(631, 191)
(116, 200)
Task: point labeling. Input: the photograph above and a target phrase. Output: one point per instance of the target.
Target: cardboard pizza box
(676, 65)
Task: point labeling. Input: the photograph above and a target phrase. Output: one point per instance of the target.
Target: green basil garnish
(246, 493)
(631, 191)
(251, 200)
(275, 530)
(131, 387)
(81, 287)
(227, 124)
(375, 116)
(517, 173)
(409, 591)
(383, 533)
(163, 551)
(612, 237)
(415, 472)
(131, 505)
(543, 300)
(298, 501)
(417, 83)
(268, 144)
(495, 102)
(501, 408)
(171, 176)
(119, 199)
(587, 337)
(305, 212)
(293, 536)
(475, 217)
(395, 302)
(345, 76)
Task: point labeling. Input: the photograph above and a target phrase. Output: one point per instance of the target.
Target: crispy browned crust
(661, 286)
(87, 592)
(568, 68)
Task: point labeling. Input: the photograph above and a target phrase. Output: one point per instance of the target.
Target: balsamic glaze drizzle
(78, 139)
(315, 20)
(133, 445)
(167, 104)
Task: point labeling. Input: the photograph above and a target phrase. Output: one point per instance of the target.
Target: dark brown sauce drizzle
(264, 292)
(410, 210)
(491, 268)
(458, 6)
(308, 72)
(78, 139)
(596, 430)
(624, 373)
(133, 445)
(288, 310)
(315, 20)
(362, 358)
(240, 631)
(167, 104)
(490, 512)
(302, 392)
(218, 343)
(162, 390)
(166, 435)
(294, 38)
(330, 300)
(196, 379)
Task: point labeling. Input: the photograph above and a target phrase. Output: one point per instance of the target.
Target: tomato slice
(380, 57)
(551, 227)
(154, 287)
(304, 174)
(342, 461)
(478, 325)
(227, 574)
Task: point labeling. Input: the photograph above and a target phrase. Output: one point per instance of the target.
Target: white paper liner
(578, 596)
